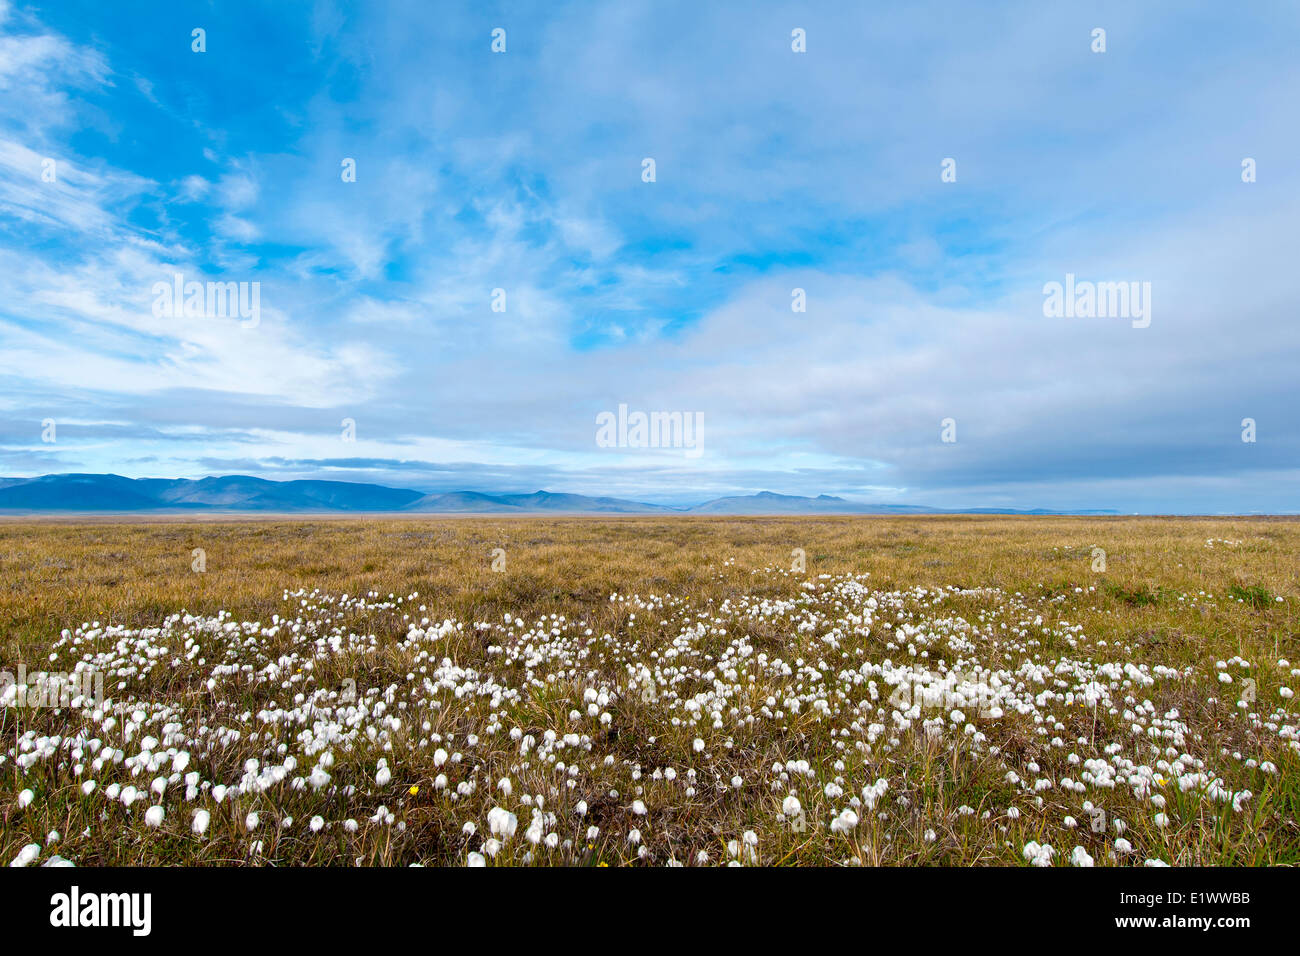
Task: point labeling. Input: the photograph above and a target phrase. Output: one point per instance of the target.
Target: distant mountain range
(113, 494)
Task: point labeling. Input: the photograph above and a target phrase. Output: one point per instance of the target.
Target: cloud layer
(774, 171)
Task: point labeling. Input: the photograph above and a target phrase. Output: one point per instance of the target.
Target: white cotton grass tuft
(201, 820)
(27, 855)
(502, 823)
(845, 822)
(153, 817)
(25, 798)
(1039, 854)
(872, 793)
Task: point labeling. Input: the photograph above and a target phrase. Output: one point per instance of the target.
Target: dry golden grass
(57, 574)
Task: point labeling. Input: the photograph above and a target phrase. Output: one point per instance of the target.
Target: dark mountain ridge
(113, 494)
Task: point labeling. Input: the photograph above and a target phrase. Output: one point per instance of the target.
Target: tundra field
(927, 691)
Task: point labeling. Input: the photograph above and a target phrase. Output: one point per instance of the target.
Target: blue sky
(775, 170)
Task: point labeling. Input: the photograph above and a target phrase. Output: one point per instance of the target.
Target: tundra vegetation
(652, 691)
